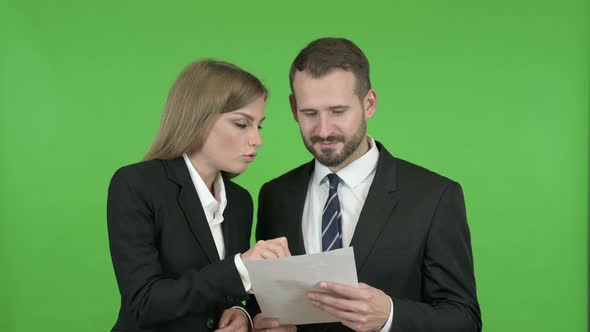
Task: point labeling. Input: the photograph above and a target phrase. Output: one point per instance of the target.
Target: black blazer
(411, 241)
(168, 270)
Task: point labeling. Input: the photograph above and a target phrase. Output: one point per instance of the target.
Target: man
(407, 225)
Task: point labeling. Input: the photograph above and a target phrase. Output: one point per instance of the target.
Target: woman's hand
(262, 323)
(233, 320)
(274, 248)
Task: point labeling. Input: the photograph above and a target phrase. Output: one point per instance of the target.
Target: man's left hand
(362, 309)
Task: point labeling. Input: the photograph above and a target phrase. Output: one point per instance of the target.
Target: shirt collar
(210, 204)
(355, 172)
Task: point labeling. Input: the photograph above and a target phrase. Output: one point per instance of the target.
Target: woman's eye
(241, 125)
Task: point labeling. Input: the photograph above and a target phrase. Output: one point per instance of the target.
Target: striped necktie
(332, 218)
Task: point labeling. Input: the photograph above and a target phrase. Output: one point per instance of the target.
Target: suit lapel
(229, 224)
(298, 190)
(191, 206)
(380, 203)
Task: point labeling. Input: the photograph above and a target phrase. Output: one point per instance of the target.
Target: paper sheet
(281, 284)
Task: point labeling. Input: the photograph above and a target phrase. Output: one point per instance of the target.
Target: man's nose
(324, 126)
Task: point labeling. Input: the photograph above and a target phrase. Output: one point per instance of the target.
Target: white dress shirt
(354, 182)
(213, 208)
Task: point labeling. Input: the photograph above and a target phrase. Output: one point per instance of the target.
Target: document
(281, 284)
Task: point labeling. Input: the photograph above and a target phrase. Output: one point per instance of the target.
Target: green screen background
(494, 95)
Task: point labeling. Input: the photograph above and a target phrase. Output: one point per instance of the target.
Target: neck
(206, 172)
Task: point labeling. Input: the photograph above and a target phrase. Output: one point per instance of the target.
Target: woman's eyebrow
(248, 116)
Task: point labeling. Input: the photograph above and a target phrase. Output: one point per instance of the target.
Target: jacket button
(210, 323)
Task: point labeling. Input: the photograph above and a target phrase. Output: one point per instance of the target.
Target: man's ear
(370, 103)
(293, 104)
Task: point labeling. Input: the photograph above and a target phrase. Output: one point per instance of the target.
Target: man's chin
(325, 153)
(329, 160)
(326, 156)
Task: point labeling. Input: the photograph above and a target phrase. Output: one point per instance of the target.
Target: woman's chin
(235, 171)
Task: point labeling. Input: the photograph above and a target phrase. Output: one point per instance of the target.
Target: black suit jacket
(168, 270)
(411, 241)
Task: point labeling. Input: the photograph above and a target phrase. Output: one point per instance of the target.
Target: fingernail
(275, 324)
(311, 296)
(323, 285)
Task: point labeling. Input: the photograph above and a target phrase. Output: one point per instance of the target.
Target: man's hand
(361, 309)
(267, 249)
(233, 320)
(262, 323)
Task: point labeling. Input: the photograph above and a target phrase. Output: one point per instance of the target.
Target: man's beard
(328, 157)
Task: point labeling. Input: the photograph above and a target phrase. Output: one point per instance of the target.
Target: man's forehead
(309, 75)
(338, 80)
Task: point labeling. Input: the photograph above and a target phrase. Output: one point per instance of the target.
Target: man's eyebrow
(331, 108)
(339, 108)
(307, 110)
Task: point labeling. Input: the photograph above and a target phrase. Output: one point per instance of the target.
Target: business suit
(168, 269)
(411, 241)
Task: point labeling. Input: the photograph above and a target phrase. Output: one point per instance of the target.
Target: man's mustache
(329, 139)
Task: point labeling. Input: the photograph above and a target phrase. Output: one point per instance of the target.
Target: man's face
(331, 117)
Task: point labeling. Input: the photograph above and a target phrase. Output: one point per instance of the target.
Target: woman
(176, 224)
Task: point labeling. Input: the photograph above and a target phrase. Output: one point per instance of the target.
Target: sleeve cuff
(387, 326)
(243, 274)
(247, 315)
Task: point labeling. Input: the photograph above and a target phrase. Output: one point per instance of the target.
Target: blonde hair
(203, 90)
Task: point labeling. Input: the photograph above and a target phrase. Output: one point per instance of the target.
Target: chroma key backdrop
(494, 95)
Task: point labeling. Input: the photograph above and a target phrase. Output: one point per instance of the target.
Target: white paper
(281, 284)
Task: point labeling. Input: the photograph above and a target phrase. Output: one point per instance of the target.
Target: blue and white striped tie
(332, 218)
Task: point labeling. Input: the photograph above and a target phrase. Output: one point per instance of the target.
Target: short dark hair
(325, 54)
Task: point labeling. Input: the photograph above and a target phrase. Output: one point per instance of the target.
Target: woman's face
(233, 139)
